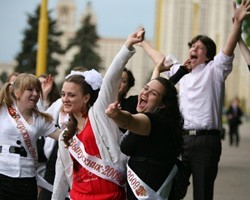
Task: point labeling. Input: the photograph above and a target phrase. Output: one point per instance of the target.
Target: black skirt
(17, 188)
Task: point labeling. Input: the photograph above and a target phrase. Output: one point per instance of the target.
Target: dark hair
(209, 44)
(86, 89)
(131, 78)
(130, 81)
(54, 93)
(171, 110)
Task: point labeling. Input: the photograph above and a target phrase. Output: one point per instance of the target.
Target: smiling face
(74, 101)
(150, 97)
(28, 98)
(27, 91)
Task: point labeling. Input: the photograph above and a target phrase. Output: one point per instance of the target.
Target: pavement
(233, 179)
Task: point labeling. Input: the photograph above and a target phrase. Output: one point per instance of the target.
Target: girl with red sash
(89, 158)
(21, 125)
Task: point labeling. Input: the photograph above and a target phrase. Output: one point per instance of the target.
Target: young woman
(154, 139)
(22, 124)
(95, 159)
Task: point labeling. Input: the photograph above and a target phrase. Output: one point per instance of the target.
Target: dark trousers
(234, 135)
(17, 188)
(201, 157)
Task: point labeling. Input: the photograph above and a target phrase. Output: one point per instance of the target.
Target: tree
(26, 59)
(86, 41)
(3, 77)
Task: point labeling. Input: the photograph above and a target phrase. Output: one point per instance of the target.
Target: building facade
(178, 21)
(140, 64)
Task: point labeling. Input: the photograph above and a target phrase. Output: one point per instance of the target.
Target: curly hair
(171, 111)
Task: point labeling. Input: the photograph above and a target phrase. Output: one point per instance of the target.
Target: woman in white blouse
(21, 125)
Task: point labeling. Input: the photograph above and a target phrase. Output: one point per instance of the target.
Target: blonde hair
(22, 82)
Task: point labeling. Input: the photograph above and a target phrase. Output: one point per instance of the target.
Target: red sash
(24, 132)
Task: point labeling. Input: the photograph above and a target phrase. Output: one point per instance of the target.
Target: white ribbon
(92, 77)
(143, 192)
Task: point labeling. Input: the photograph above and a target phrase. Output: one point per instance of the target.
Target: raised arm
(245, 51)
(159, 68)
(183, 70)
(153, 54)
(47, 86)
(135, 38)
(233, 37)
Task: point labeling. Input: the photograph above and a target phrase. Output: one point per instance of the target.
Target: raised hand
(135, 38)
(241, 11)
(47, 86)
(187, 65)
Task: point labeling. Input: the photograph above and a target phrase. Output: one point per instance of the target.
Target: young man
(201, 93)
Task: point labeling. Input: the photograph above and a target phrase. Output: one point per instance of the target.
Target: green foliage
(3, 77)
(85, 40)
(246, 27)
(26, 58)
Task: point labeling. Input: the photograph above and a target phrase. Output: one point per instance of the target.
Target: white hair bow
(92, 77)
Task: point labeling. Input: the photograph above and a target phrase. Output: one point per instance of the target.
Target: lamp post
(41, 59)
(196, 16)
(159, 7)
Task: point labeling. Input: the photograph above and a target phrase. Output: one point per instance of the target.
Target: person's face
(74, 101)
(29, 98)
(12, 78)
(150, 97)
(197, 54)
(123, 89)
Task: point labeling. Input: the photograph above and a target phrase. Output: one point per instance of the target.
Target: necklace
(81, 126)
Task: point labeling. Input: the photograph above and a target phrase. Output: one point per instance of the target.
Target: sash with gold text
(95, 165)
(143, 192)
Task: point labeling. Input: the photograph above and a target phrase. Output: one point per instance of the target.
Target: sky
(115, 18)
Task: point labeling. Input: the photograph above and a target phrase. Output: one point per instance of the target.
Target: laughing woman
(154, 139)
(21, 125)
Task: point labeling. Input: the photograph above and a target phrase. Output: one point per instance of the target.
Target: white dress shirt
(201, 93)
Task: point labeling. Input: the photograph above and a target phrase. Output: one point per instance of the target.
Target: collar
(198, 68)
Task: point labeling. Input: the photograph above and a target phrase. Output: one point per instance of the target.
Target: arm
(183, 70)
(46, 89)
(55, 134)
(137, 123)
(112, 78)
(153, 54)
(245, 51)
(233, 37)
(159, 68)
(64, 171)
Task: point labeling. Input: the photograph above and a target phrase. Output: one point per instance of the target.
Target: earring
(157, 109)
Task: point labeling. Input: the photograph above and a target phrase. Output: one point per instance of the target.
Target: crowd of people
(93, 141)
